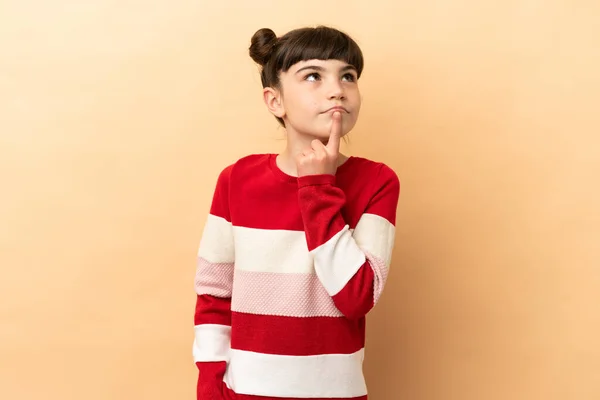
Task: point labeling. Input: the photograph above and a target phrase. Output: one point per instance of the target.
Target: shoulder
(376, 172)
(242, 165)
(251, 161)
(380, 185)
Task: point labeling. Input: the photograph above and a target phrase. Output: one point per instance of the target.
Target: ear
(273, 101)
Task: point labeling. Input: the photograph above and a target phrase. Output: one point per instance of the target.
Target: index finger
(335, 132)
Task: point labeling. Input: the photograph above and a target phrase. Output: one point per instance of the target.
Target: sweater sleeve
(213, 285)
(351, 265)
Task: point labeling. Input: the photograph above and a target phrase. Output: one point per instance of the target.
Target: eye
(312, 77)
(349, 77)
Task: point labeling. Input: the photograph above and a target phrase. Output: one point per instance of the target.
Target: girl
(296, 248)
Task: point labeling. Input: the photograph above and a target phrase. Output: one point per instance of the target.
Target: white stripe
(323, 376)
(216, 245)
(269, 250)
(211, 342)
(375, 235)
(337, 260)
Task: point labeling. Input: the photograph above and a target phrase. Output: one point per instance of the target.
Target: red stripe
(294, 336)
(212, 310)
(355, 299)
(219, 206)
(267, 203)
(210, 383)
(385, 200)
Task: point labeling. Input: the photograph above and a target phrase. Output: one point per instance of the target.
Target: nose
(336, 90)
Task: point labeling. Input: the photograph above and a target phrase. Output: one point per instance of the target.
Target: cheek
(310, 104)
(357, 100)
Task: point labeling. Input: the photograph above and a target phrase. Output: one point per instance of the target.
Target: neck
(296, 144)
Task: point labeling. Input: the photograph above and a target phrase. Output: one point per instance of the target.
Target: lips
(336, 108)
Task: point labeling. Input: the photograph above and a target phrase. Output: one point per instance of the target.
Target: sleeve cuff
(315, 180)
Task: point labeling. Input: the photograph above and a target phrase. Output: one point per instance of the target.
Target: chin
(322, 134)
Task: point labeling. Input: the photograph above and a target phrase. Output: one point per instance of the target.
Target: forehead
(333, 65)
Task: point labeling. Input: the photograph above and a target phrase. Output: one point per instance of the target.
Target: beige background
(116, 117)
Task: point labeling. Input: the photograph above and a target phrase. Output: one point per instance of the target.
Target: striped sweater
(287, 270)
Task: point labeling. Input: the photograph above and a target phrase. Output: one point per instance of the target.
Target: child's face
(309, 91)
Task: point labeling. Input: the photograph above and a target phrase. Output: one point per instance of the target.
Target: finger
(335, 133)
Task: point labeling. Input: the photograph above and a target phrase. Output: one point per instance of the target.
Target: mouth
(336, 108)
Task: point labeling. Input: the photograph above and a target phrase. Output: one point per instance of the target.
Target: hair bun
(262, 45)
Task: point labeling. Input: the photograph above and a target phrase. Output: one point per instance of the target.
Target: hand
(322, 159)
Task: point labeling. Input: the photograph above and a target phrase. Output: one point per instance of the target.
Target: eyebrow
(321, 69)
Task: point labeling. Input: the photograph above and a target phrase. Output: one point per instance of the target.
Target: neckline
(294, 179)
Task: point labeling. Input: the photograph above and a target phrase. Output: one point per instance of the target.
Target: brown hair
(275, 55)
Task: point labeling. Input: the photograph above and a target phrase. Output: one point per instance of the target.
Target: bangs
(319, 44)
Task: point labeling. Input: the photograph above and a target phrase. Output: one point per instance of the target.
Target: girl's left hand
(322, 159)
